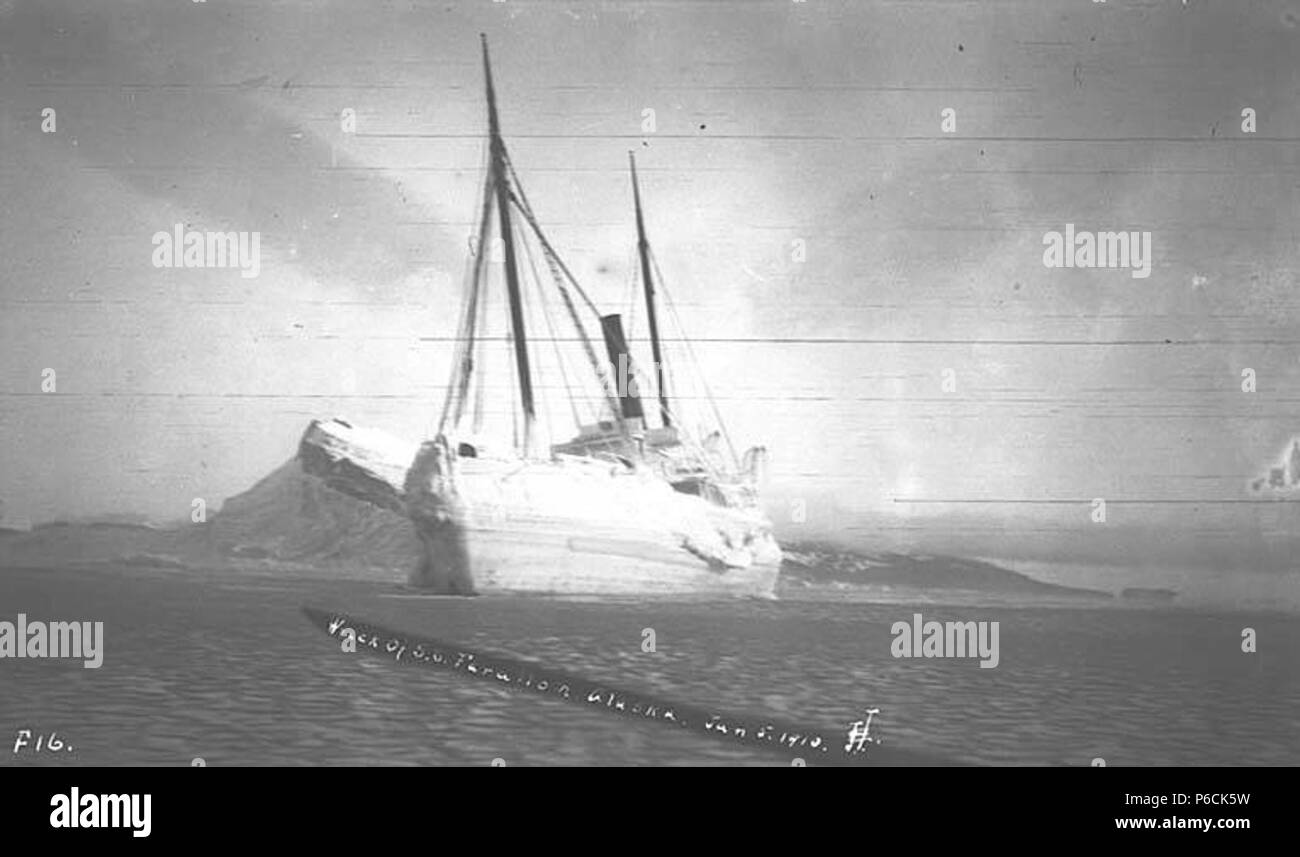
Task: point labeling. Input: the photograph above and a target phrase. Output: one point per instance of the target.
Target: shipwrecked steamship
(631, 504)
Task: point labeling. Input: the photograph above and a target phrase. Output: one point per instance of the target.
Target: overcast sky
(775, 123)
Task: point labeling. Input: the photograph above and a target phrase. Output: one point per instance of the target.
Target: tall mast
(644, 247)
(499, 180)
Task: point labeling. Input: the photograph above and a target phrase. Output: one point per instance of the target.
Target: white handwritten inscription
(51, 743)
(527, 676)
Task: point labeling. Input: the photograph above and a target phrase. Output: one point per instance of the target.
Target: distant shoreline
(811, 571)
(820, 564)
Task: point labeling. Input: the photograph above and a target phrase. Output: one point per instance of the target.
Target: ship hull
(560, 558)
(572, 526)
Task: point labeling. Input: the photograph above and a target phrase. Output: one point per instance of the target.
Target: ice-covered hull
(568, 526)
(556, 557)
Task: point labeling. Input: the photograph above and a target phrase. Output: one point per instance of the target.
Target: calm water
(227, 669)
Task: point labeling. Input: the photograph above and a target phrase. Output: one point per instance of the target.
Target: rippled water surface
(228, 669)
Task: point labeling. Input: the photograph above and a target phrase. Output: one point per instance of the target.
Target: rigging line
(708, 393)
(521, 202)
(462, 356)
(606, 383)
(669, 377)
(550, 325)
(631, 293)
(464, 362)
(481, 324)
(482, 358)
(472, 318)
(457, 356)
(456, 363)
(684, 437)
(469, 285)
(514, 412)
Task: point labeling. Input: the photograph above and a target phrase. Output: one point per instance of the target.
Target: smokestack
(616, 348)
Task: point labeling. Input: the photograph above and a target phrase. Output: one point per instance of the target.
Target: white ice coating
(597, 506)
